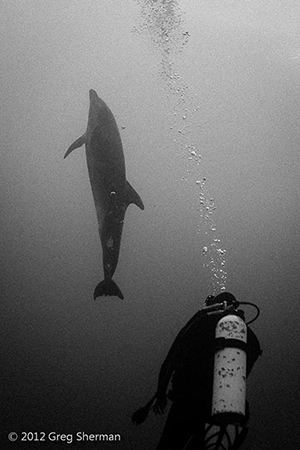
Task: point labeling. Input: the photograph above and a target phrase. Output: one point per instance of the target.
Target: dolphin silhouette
(111, 191)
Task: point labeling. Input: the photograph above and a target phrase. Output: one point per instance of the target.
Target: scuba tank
(227, 429)
(229, 385)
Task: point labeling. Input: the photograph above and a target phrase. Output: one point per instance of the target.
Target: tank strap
(222, 342)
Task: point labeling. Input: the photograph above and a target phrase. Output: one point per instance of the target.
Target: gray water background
(207, 98)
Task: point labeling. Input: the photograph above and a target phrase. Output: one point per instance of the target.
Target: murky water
(206, 98)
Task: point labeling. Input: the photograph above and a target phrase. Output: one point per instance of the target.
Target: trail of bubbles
(215, 256)
(162, 22)
(213, 253)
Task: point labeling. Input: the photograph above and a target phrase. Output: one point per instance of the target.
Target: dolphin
(112, 193)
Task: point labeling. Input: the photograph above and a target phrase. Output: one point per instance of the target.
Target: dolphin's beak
(93, 95)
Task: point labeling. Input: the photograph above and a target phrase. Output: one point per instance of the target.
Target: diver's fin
(133, 197)
(78, 143)
(107, 287)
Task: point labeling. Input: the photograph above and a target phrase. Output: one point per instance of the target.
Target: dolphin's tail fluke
(107, 287)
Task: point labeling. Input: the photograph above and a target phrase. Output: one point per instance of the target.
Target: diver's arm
(253, 349)
(165, 374)
(170, 363)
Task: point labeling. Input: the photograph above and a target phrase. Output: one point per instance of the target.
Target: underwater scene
(149, 159)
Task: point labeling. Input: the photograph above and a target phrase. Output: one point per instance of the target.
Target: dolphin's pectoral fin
(78, 143)
(133, 197)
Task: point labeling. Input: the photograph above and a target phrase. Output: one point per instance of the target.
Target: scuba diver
(191, 362)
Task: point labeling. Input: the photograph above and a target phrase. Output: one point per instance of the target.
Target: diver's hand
(160, 405)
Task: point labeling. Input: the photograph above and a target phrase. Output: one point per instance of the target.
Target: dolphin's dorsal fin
(133, 197)
(78, 143)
